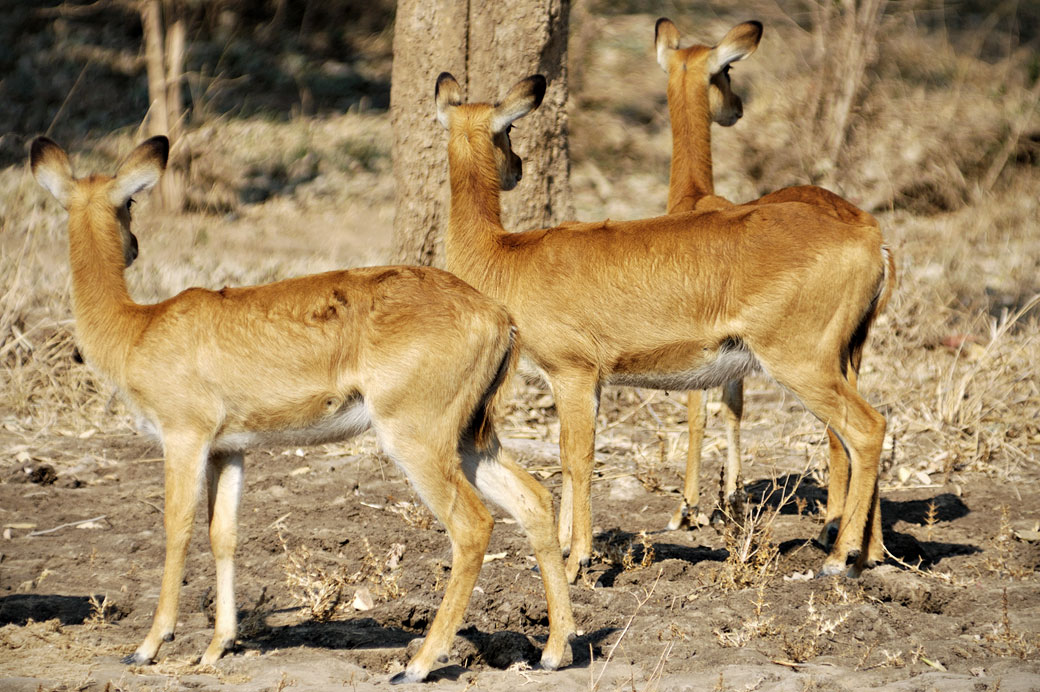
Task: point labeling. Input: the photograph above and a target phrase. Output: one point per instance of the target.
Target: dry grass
(100, 611)
(323, 589)
(747, 533)
(312, 586)
(618, 549)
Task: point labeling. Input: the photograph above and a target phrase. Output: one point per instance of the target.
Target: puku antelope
(699, 93)
(684, 301)
(414, 353)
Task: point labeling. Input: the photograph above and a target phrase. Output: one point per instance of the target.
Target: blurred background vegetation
(70, 69)
(76, 71)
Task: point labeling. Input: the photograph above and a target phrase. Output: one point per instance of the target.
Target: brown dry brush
(1005, 640)
(43, 382)
(323, 591)
(889, 112)
(747, 532)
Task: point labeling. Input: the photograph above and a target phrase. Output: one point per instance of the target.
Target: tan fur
(686, 297)
(415, 353)
(694, 97)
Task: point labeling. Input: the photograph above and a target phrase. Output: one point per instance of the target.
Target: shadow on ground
(18, 609)
(499, 649)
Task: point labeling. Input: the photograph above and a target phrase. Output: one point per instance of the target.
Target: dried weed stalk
(805, 642)
(1002, 560)
(314, 588)
(650, 472)
(594, 680)
(381, 572)
(930, 519)
(100, 612)
(758, 625)
(963, 401)
(752, 552)
(1004, 640)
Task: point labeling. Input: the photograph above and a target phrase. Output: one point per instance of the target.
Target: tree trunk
(488, 47)
(151, 24)
(164, 61)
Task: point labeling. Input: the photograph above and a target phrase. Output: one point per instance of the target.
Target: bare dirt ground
(340, 569)
(657, 610)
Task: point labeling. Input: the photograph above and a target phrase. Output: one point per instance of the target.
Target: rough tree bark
(164, 62)
(487, 47)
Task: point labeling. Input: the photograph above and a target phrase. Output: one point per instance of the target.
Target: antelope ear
(740, 42)
(141, 170)
(666, 39)
(523, 98)
(447, 95)
(51, 168)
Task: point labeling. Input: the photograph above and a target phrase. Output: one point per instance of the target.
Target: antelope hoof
(135, 659)
(550, 663)
(856, 569)
(875, 556)
(687, 515)
(735, 501)
(215, 651)
(556, 656)
(830, 571)
(829, 534)
(404, 676)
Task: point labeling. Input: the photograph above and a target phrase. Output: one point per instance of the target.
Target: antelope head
(699, 66)
(494, 120)
(100, 194)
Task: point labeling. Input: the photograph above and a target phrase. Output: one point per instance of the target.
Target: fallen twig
(154, 506)
(277, 522)
(65, 526)
(640, 602)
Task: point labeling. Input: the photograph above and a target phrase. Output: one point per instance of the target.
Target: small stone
(363, 600)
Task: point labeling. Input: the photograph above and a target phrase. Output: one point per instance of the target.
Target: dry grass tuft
(313, 587)
(754, 627)
(322, 591)
(1003, 560)
(618, 549)
(753, 554)
(806, 640)
(100, 612)
(415, 514)
(1004, 640)
(799, 642)
(381, 572)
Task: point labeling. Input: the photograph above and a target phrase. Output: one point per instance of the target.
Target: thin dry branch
(68, 525)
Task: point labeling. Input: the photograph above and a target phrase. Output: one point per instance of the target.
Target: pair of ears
(738, 43)
(139, 172)
(525, 96)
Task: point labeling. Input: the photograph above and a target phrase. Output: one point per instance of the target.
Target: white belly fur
(349, 421)
(731, 364)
